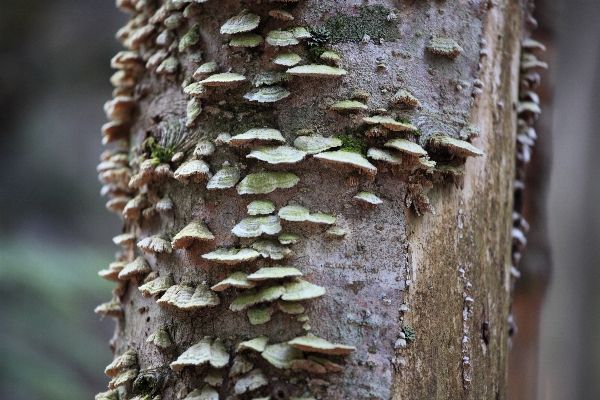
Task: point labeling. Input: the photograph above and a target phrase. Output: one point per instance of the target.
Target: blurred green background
(55, 233)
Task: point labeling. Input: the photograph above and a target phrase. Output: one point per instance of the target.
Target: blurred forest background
(55, 233)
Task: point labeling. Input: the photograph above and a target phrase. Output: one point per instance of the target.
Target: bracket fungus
(252, 297)
(281, 38)
(246, 40)
(316, 144)
(281, 355)
(196, 89)
(260, 315)
(124, 239)
(227, 177)
(123, 378)
(277, 155)
(206, 69)
(135, 269)
(160, 338)
(281, 14)
(156, 286)
(231, 256)
(185, 297)
(191, 37)
(389, 156)
(369, 198)
(224, 79)
(261, 207)
(290, 307)
(110, 309)
(390, 123)
(405, 97)
(445, 47)
(112, 272)
(156, 244)
(205, 351)
(196, 230)
(317, 71)
(124, 361)
(301, 290)
(331, 56)
(237, 279)
(193, 170)
(349, 106)
(268, 94)
(241, 365)
(457, 147)
(406, 146)
(243, 22)
(348, 159)
(336, 232)
(287, 59)
(256, 226)
(266, 182)
(258, 344)
(257, 134)
(276, 272)
(207, 393)
(204, 148)
(270, 249)
(134, 207)
(288, 238)
(254, 380)
(311, 343)
(297, 213)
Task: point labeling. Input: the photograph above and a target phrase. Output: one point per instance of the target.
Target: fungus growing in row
(196, 89)
(258, 344)
(254, 380)
(403, 96)
(120, 108)
(260, 315)
(123, 378)
(127, 60)
(190, 38)
(160, 338)
(257, 134)
(311, 343)
(389, 156)
(390, 123)
(204, 148)
(269, 78)
(270, 249)
(135, 269)
(117, 204)
(307, 366)
(227, 177)
(531, 44)
(124, 239)
(110, 309)
(205, 351)
(237, 279)
(206, 69)
(241, 365)
(316, 144)
(349, 106)
(224, 79)
(231, 256)
(256, 226)
(196, 230)
(528, 107)
(297, 213)
(124, 361)
(277, 155)
(252, 297)
(281, 38)
(281, 355)
(193, 170)
(317, 71)
(168, 66)
(185, 297)
(156, 286)
(207, 393)
(281, 14)
(246, 40)
(268, 94)
(243, 22)
(445, 47)
(112, 272)
(261, 207)
(406, 146)
(529, 61)
(300, 32)
(348, 159)
(290, 307)
(330, 56)
(266, 182)
(277, 272)
(156, 244)
(336, 232)
(299, 290)
(288, 238)
(457, 147)
(369, 198)
(164, 205)
(114, 131)
(287, 59)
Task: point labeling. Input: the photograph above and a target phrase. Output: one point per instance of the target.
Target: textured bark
(423, 299)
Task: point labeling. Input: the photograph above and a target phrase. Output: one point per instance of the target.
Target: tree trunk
(366, 150)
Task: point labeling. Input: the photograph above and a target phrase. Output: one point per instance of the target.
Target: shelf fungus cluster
(216, 252)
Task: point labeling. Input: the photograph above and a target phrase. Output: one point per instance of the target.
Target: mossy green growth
(352, 144)
(409, 332)
(145, 385)
(371, 20)
(158, 153)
